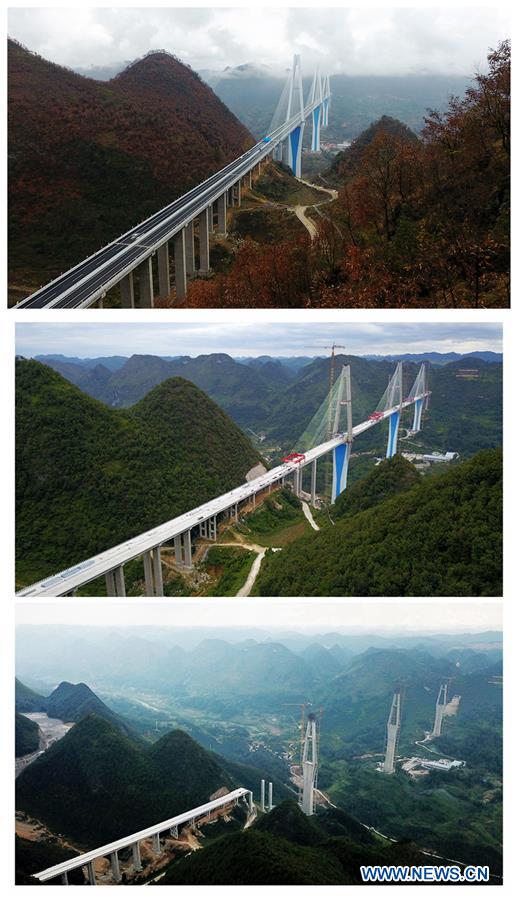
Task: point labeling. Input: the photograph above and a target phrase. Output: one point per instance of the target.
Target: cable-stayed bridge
(327, 433)
(131, 256)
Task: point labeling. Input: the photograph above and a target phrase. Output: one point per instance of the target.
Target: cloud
(254, 339)
(356, 41)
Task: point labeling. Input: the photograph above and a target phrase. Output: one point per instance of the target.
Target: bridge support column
(115, 584)
(178, 549)
(148, 574)
(156, 843)
(114, 865)
(153, 573)
(145, 272)
(295, 150)
(418, 412)
(91, 873)
(180, 276)
(190, 262)
(230, 197)
(204, 242)
(341, 456)
(213, 528)
(187, 549)
(393, 433)
(315, 137)
(314, 483)
(157, 572)
(297, 481)
(135, 850)
(164, 287)
(222, 214)
(270, 795)
(64, 878)
(174, 831)
(237, 193)
(203, 530)
(120, 585)
(250, 183)
(262, 794)
(127, 292)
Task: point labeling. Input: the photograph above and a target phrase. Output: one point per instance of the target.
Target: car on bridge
(375, 416)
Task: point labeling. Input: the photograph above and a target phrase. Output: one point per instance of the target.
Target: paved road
(309, 516)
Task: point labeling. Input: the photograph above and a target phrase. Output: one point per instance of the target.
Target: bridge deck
(90, 279)
(84, 858)
(70, 579)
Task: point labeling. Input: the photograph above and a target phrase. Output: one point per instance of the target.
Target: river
(51, 730)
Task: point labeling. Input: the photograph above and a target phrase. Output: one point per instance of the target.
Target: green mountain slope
(73, 702)
(89, 477)
(442, 537)
(26, 699)
(26, 735)
(286, 847)
(96, 785)
(392, 476)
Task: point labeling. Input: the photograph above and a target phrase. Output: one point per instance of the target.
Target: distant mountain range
(279, 395)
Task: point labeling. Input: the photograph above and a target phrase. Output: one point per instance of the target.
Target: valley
(230, 712)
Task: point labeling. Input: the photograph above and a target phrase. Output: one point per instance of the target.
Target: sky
(371, 616)
(253, 339)
(355, 41)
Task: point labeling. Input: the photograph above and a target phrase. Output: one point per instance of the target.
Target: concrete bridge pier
(393, 433)
(222, 215)
(204, 243)
(153, 573)
(64, 878)
(115, 584)
(127, 292)
(213, 528)
(91, 872)
(250, 182)
(190, 260)
(183, 550)
(230, 197)
(314, 483)
(297, 481)
(135, 851)
(156, 843)
(180, 265)
(237, 193)
(174, 831)
(145, 275)
(114, 865)
(164, 285)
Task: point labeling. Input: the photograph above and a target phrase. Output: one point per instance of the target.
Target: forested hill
(104, 785)
(90, 159)
(347, 162)
(286, 847)
(101, 476)
(442, 537)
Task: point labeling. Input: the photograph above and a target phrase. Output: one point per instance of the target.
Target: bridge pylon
(396, 390)
(316, 115)
(342, 453)
(309, 766)
(440, 706)
(295, 108)
(393, 731)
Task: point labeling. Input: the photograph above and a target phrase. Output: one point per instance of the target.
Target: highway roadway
(82, 285)
(72, 578)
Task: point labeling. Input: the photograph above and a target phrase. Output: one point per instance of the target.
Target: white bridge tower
(393, 729)
(440, 706)
(309, 767)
